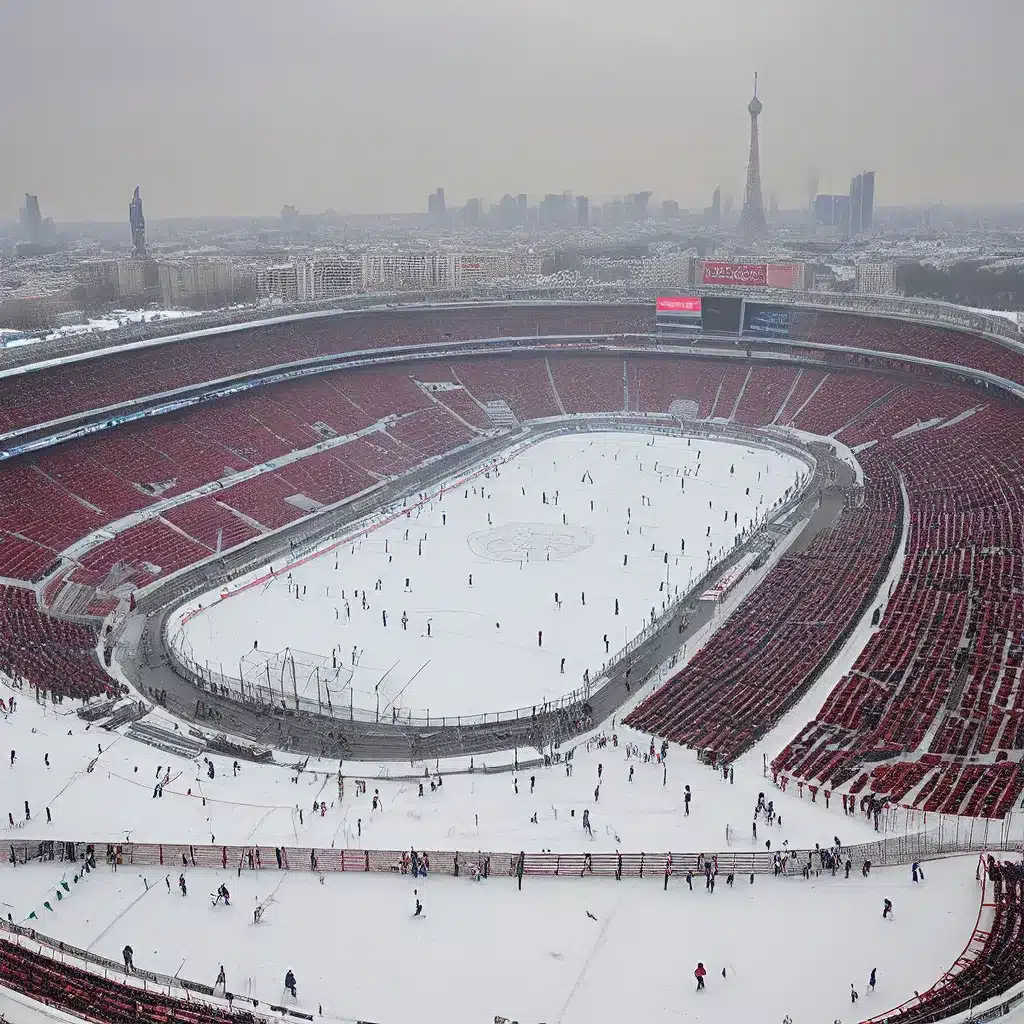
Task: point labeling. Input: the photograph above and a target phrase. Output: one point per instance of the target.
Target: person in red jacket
(699, 974)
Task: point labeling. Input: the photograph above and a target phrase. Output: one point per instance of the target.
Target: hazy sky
(240, 106)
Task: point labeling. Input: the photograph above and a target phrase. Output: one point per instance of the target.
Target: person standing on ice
(289, 983)
(181, 885)
(686, 801)
(221, 979)
(887, 910)
(418, 910)
(586, 823)
(700, 973)
(916, 874)
(871, 980)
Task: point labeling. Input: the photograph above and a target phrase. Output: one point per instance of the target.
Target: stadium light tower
(752, 224)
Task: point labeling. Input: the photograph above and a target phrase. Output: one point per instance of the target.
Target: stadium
(444, 573)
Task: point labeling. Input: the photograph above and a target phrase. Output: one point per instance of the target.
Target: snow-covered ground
(469, 812)
(452, 609)
(111, 322)
(567, 950)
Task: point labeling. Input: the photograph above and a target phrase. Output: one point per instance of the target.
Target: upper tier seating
(123, 376)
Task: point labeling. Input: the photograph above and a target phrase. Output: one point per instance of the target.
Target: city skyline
(241, 117)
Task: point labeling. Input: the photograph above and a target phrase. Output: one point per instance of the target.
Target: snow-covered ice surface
(593, 518)
(788, 946)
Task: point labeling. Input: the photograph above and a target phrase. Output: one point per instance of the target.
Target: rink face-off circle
(518, 542)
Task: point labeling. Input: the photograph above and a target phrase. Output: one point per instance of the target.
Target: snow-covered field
(787, 946)
(469, 812)
(453, 610)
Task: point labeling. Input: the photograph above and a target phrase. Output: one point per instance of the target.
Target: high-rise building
(716, 205)
(582, 211)
(752, 221)
(555, 210)
(436, 206)
(32, 219)
(832, 212)
(471, 211)
(138, 225)
(862, 203)
(636, 206)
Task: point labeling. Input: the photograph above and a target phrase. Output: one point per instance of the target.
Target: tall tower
(138, 224)
(752, 223)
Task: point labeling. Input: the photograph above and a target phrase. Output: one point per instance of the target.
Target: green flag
(67, 888)
(48, 907)
(32, 916)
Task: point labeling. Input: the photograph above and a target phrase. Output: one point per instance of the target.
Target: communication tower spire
(752, 224)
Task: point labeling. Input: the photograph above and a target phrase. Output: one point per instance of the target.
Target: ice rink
(502, 593)
(788, 946)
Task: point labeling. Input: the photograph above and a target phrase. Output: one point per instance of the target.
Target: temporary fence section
(889, 852)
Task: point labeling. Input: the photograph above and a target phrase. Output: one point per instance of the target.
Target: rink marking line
(599, 944)
(131, 906)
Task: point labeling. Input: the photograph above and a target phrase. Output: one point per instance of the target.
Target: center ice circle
(516, 542)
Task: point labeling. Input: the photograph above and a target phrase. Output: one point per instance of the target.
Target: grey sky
(366, 105)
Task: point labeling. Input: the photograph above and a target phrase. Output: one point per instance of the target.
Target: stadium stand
(772, 648)
(56, 656)
(123, 376)
(92, 997)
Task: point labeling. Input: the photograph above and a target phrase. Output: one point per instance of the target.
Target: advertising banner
(744, 275)
(678, 305)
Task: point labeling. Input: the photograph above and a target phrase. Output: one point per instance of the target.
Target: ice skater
(418, 910)
(887, 910)
(289, 983)
(700, 973)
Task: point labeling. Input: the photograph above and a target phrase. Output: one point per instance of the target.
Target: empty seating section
(40, 510)
(206, 521)
(521, 382)
(840, 397)
(729, 391)
(262, 498)
(941, 681)
(655, 383)
(54, 655)
(151, 549)
(96, 998)
(22, 559)
(463, 404)
(589, 384)
(767, 388)
(904, 408)
(771, 648)
(97, 383)
(325, 477)
(430, 432)
(920, 340)
(807, 383)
